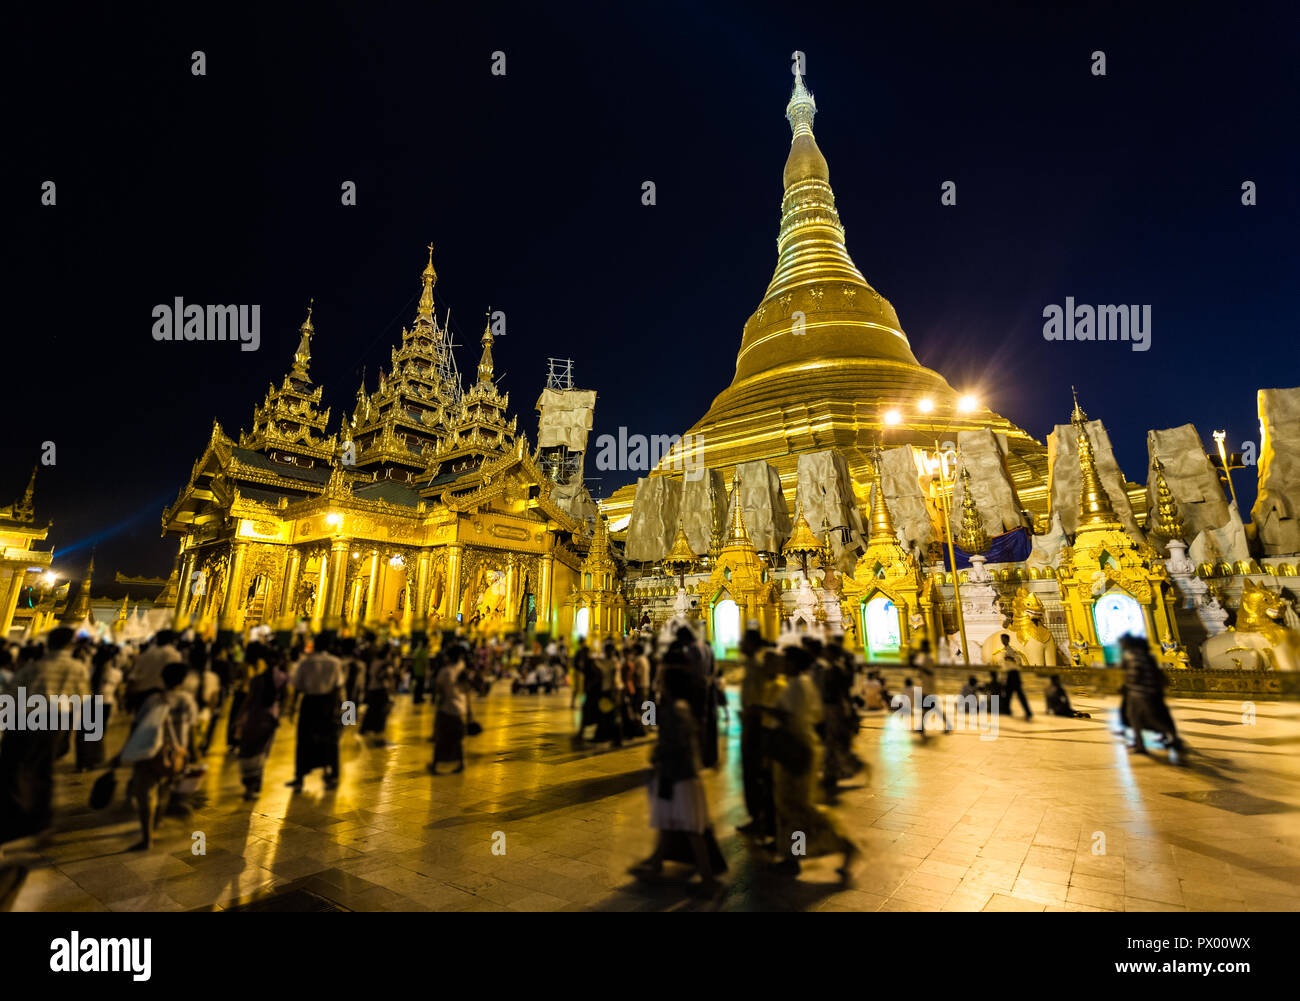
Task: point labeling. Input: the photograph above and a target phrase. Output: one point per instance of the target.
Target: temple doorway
(726, 627)
(880, 628)
(1117, 614)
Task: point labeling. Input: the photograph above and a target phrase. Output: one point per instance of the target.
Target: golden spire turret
(882, 524)
(429, 277)
(485, 363)
(1168, 521)
(972, 537)
(302, 357)
(680, 557)
(803, 540)
(1095, 509)
(598, 556)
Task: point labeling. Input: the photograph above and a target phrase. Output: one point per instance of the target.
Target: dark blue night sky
(226, 188)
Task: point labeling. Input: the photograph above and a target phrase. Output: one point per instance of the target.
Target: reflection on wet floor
(957, 823)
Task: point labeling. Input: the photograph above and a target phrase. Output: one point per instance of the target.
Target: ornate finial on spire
(485, 363)
(25, 509)
(1078, 417)
(425, 312)
(882, 524)
(972, 537)
(302, 357)
(801, 109)
(1168, 520)
(1094, 503)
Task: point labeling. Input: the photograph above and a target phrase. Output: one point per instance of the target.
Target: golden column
(422, 592)
(338, 564)
(11, 599)
(292, 567)
(318, 602)
(372, 587)
(234, 587)
(408, 612)
(184, 589)
(545, 578)
(512, 590)
(454, 554)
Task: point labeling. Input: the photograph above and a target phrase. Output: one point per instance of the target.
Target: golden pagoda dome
(823, 357)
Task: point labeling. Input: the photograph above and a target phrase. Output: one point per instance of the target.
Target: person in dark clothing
(997, 696)
(1144, 697)
(1015, 687)
(1058, 702)
(758, 690)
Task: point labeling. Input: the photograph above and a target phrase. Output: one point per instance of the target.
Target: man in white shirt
(147, 674)
(318, 679)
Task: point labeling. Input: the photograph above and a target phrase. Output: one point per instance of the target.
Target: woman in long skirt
(379, 700)
(803, 829)
(449, 722)
(260, 717)
(679, 810)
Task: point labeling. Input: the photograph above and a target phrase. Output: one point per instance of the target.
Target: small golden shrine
(600, 610)
(1111, 585)
(887, 595)
(741, 589)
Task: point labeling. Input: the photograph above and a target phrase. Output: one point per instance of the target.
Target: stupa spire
(739, 534)
(882, 524)
(1094, 503)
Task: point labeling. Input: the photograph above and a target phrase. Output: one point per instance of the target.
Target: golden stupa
(824, 358)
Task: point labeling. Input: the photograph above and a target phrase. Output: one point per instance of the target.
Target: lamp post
(1219, 436)
(939, 479)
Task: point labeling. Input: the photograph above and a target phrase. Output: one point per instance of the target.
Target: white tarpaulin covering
(1277, 508)
(704, 502)
(903, 469)
(1046, 551)
(825, 489)
(995, 495)
(1217, 544)
(653, 527)
(1191, 477)
(763, 506)
(1063, 474)
(565, 418)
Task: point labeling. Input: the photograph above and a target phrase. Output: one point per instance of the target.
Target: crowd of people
(800, 708)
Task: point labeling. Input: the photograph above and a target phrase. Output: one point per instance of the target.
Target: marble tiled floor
(956, 823)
